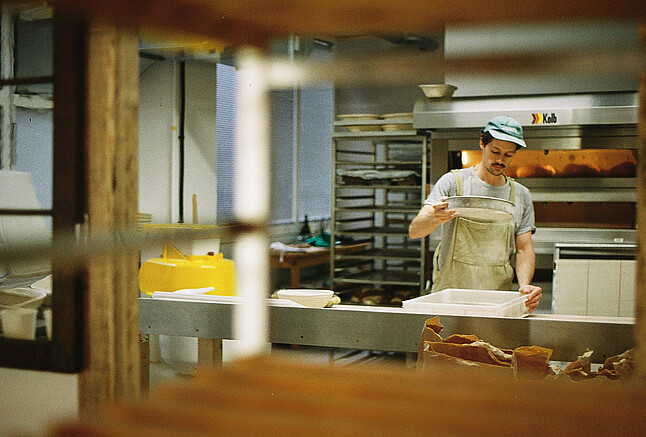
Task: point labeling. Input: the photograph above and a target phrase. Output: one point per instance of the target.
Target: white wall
(34, 150)
(30, 401)
(157, 127)
(159, 143)
(200, 157)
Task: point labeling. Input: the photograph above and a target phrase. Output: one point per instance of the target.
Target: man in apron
(477, 254)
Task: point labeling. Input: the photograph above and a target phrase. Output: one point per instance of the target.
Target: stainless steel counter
(391, 329)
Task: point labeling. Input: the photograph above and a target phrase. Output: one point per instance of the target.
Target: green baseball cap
(505, 129)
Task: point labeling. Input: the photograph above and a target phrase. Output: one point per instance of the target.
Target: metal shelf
(378, 203)
(373, 163)
(380, 187)
(374, 231)
(352, 264)
(381, 278)
(377, 135)
(390, 254)
(381, 208)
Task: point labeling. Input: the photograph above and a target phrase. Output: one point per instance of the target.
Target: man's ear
(482, 146)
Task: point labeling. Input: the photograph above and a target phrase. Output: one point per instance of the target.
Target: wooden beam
(640, 283)
(276, 396)
(8, 110)
(113, 370)
(255, 22)
(342, 17)
(170, 18)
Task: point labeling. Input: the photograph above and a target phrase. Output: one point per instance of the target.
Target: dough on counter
(371, 296)
(401, 295)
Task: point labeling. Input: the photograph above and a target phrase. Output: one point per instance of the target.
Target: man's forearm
(422, 226)
(424, 223)
(525, 266)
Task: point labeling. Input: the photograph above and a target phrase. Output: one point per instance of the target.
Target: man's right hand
(429, 218)
(442, 214)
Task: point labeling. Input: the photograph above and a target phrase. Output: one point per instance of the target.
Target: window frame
(65, 351)
(297, 99)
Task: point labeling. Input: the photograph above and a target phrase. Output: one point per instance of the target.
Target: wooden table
(294, 261)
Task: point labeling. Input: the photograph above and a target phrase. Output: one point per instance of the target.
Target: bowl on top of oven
(438, 90)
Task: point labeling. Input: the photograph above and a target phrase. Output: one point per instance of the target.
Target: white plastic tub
(464, 302)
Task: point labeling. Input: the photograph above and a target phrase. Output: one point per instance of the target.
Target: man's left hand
(534, 296)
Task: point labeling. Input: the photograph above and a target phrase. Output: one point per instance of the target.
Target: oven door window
(584, 163)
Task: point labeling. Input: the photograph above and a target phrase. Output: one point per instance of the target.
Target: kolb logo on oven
(544, 118)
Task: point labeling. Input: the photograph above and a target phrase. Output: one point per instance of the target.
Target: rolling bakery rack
(379, 182)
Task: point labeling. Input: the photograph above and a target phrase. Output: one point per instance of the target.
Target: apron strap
(458, 182)
(512, 189)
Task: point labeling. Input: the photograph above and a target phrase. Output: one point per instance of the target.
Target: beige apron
(479, 255)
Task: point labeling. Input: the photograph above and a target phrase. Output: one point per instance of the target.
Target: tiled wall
(594, 287)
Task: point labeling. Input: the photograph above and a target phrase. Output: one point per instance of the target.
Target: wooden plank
(144, 363)
(342, 17)
(640, 283)
(278, 397)
(125, 186)
(255, 22)
(112, 321)
(8, 113)
(171, 19)
(69, 191)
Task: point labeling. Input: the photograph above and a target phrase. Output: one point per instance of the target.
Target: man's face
(497, 155)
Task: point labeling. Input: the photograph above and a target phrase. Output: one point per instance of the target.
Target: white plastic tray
(459, 301)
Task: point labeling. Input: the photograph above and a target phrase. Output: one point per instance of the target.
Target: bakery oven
(580, 162)
(584, 188)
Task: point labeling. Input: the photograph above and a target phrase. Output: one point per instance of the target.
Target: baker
(477, 253)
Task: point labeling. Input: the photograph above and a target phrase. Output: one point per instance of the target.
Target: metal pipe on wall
(181, 137)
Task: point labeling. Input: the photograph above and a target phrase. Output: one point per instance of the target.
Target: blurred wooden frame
(274, 396)
(64, 353)
(256, 22)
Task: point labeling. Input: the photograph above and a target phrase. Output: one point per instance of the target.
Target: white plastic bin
(464, 302)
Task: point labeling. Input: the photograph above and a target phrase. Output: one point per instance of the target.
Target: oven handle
(618, 251)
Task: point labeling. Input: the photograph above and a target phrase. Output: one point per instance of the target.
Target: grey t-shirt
(472, 185)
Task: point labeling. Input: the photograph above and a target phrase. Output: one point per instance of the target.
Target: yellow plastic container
(175, 271)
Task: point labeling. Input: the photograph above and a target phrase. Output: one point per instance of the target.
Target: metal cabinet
(378, 185)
